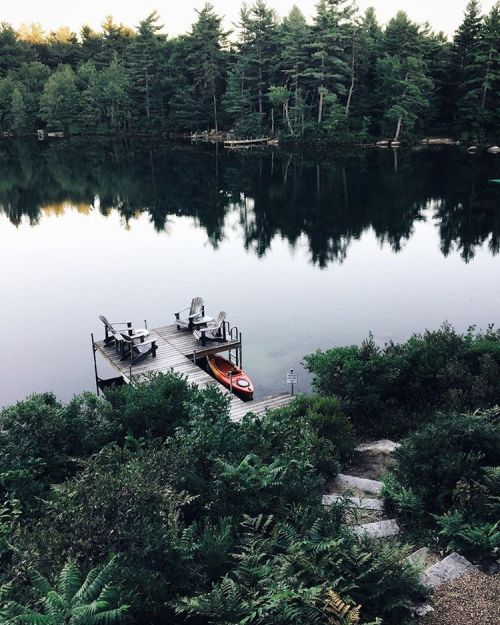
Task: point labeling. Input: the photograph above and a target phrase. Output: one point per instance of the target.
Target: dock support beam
(94, 349)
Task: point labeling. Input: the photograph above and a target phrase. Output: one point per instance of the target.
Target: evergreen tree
(206, 63)
(59, 104)
(18, 113)
(145, 58)
(294, 34)
(405, 91)
(328, 71)
(465, 50)
(257, 46)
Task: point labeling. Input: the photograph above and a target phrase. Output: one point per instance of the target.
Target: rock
(383, 144)
(360, 483)
(378, 529)
(382, 446)
(420, 609)
(419, 557)
(452, 567)
(494, 150)
(355, 502)
(472, 149)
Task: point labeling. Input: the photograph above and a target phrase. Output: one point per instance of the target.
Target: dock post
(130, 370)
(95, 364)
(241, 353)
(194, 356)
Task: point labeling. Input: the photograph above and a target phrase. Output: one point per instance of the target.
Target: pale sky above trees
(177, 16)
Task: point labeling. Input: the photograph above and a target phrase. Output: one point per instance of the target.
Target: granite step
(450, 568)
(365, 503)
(358, 483)
(378, 529)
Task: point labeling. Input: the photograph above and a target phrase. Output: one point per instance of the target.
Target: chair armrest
(182, 310)
(194, 315)
(209, 329)
(120, 323)
(137, 342)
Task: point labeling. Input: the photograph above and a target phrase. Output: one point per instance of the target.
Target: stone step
(358, 483)
(378, 529)
(365, 503)
(382, 446)
(450, 568)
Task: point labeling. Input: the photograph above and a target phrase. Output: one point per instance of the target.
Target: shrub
(42, 441)
(216, 507)
(393, 390)
(444, 478)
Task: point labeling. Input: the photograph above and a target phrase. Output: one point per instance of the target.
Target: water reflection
(330, 201)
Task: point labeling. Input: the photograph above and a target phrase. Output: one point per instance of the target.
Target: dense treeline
(342, 77)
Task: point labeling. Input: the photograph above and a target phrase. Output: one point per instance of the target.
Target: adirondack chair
(197, 309)
(214, 331)
(135, 349)
(111, 329)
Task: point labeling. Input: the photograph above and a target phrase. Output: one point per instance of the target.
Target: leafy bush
(393, 390)
(444, 476)
(217, 512)
(43, 439)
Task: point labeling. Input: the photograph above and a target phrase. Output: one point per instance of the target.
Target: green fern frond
(69, 581)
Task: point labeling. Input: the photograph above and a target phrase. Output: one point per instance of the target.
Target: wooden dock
(177, 352)
(245, 143)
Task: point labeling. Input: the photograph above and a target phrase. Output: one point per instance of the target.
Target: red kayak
(221, 368)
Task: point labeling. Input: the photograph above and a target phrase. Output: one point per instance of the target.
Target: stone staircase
(368, 518)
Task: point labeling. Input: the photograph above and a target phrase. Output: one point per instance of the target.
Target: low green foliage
(71, 602)
(393, 390)
(215, 521)
(446, 478)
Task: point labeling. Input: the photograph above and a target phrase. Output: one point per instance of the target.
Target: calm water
(302, 252)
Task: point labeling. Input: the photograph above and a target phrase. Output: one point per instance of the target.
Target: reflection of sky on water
(75, 264)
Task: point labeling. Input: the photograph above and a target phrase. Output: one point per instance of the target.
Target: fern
(73, 603)
(340, 613)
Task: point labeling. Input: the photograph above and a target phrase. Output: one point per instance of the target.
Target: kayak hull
(241, 384)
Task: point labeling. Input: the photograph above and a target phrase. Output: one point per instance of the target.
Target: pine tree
(404, 90)
(328, 71)
(18, 113)
(59, 104)
(465, 49)
(257, 46)
(206, 62)
(293, 37)
(145, 57)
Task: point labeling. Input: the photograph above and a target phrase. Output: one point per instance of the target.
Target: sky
(177, 16)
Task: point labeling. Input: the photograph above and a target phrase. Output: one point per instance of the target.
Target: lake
(303, 251)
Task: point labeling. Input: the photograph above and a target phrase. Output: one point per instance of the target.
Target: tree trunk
(285, 107)
(215, 114)
(148, 113)
(398, 128)
(486, 78)
(353, 81)
(320, 107)
(296, 95)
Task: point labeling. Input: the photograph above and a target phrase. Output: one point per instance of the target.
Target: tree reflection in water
(327, 201)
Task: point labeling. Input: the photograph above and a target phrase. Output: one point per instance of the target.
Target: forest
(343, 77)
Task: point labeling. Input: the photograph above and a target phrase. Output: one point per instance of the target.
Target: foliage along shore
(341, 78)
(184, 516)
